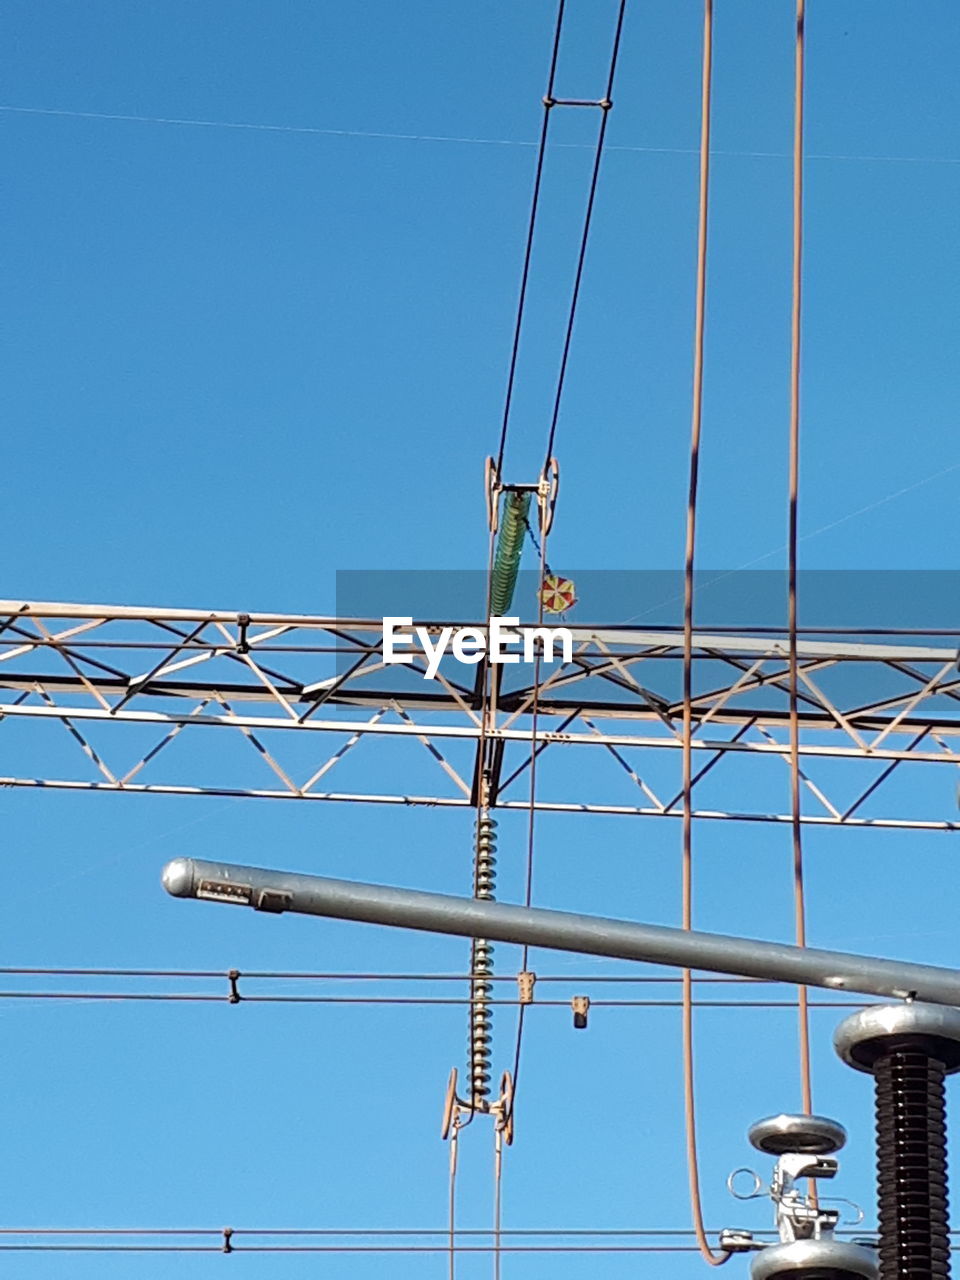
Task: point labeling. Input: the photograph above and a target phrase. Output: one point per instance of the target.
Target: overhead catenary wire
(375, 1232)
(688, 1002)
(605, 108)
(549, 102)
(350, 976)
(119, 997)
(531, 231)
(532, 811)
(49, 1247)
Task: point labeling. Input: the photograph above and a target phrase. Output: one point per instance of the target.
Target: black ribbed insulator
(912, 1166)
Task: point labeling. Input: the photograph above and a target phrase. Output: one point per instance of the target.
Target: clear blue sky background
(237, 360)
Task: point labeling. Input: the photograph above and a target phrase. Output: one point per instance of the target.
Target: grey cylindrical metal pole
(558, 930)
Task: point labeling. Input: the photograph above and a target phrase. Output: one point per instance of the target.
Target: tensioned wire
(696, 420)
(803, 1004)
(800, 924)
(531, 229)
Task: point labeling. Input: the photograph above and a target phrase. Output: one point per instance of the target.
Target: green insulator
(506, 560)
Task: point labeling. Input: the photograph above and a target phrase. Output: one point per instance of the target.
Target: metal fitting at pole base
(870, 1034)
(811, 1135)
(557, 930)
(815, 1260)
(909, 1049)
(806, 1249)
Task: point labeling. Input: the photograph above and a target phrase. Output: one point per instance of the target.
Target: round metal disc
(809, 1135)
(815, 1260)
(861, 1038)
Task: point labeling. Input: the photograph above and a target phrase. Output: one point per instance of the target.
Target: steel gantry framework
(126, 683)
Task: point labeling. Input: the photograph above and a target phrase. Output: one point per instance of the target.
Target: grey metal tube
(558, 930)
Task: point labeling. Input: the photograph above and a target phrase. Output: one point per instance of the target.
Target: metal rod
(278, 891)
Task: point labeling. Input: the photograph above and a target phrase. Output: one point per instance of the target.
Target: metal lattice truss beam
(134, 690)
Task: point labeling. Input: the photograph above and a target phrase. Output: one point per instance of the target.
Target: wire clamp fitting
(581, 1007)
(502, 1109)
(548, 487)
(526, 980)
(451, 1105)
(804, 1147)
(491, 492)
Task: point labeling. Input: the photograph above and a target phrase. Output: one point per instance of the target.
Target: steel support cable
(347, 976)
(689, 1098)
(531, 229)
(345, 1248)
(497, 1204)
(794, 485)
(588, 218)
(531, 818)
(452, 1200)
(371, 1233)
(152, 997)
(480, 985)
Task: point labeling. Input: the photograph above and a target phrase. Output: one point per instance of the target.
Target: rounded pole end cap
(177, 877)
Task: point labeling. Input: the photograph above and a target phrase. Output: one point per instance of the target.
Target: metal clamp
(491, 491)
(451, 1105)
(804, 1147)
(547, 490)
(502, 1109)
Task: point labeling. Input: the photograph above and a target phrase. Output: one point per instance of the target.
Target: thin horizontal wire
(354, 1231)
(345, 1248)
(253, 127)
(226, 998)
(307, 975)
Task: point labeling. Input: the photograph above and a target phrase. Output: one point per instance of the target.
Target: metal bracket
(526, 981)
(581, 1007)
(547, 491)
(450, 1105)
(502, 1109)
(491, 490)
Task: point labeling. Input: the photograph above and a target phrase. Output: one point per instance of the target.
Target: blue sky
(237, 360)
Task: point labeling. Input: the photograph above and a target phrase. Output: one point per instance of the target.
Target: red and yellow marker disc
(557, 594)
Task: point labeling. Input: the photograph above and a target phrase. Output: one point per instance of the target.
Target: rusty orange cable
(689, 1101)
(794, 483)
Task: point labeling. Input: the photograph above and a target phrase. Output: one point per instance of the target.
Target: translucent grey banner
(857, 602)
